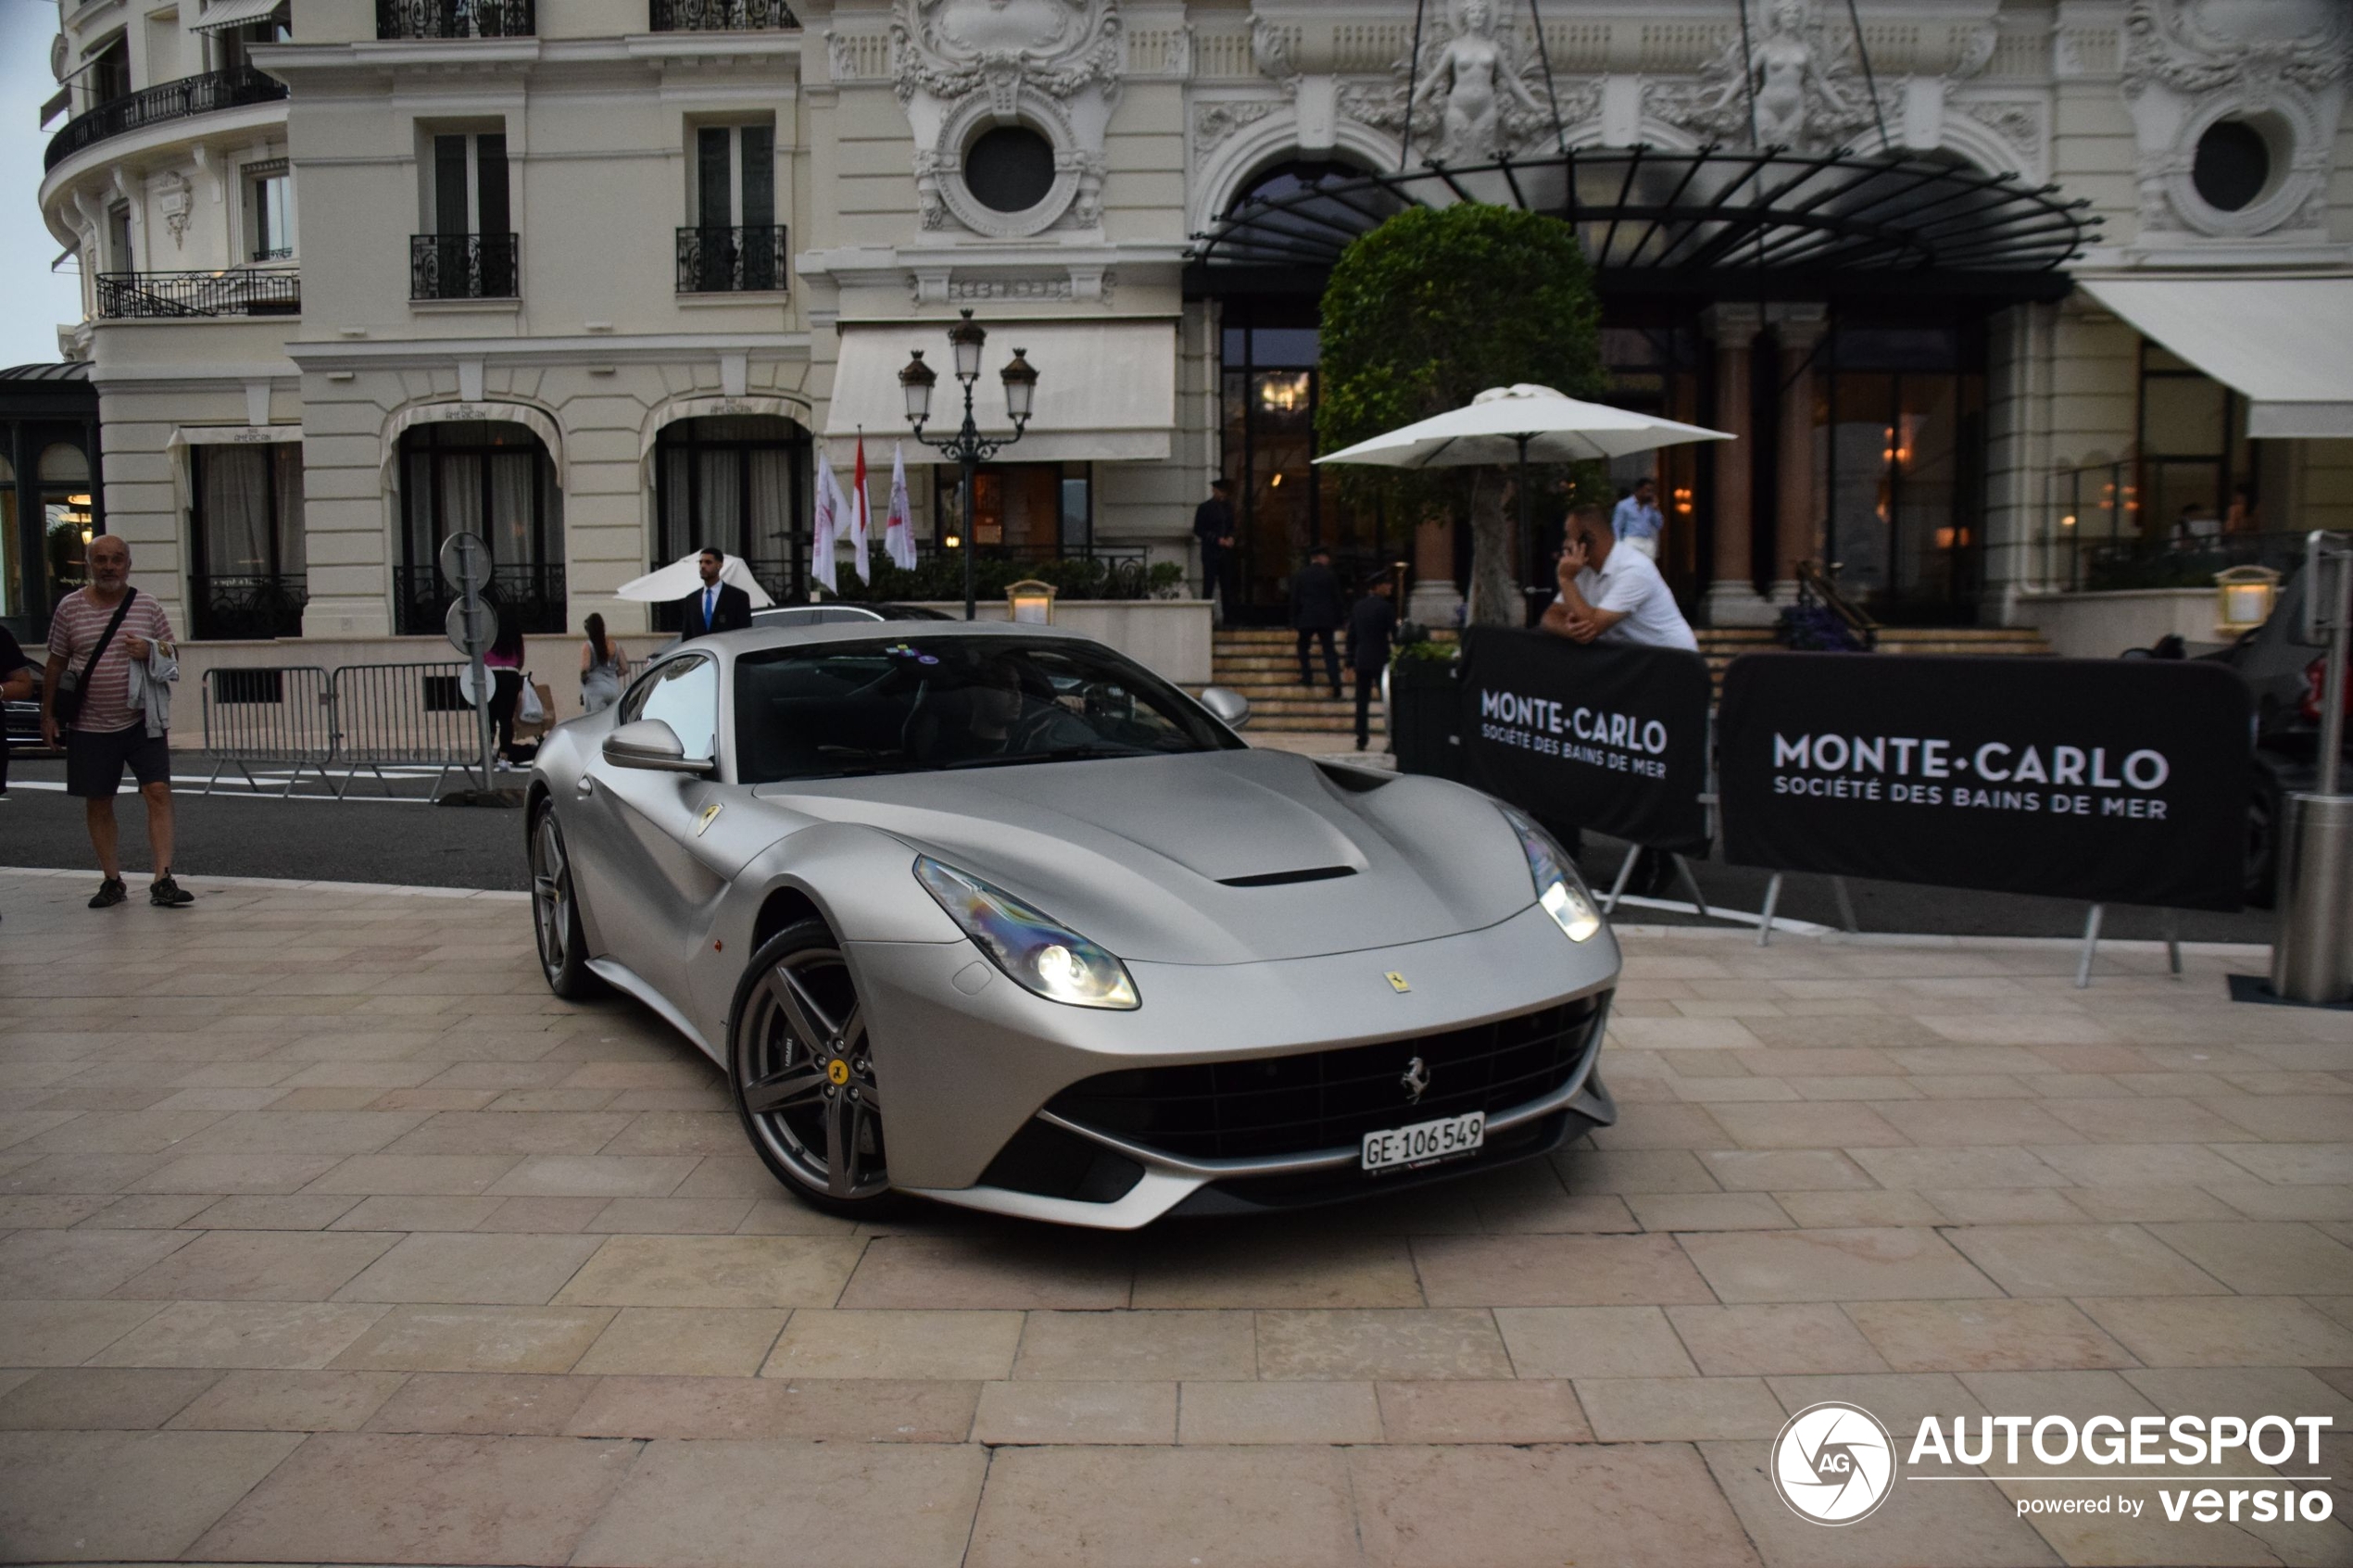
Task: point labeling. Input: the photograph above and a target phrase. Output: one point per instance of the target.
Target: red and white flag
(858, 519)
(898, 523)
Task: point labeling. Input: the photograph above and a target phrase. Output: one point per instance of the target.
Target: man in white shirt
(1610, 594)
(1638, 522)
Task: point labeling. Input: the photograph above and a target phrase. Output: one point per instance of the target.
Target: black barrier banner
(2114, 781)
(1591, 735)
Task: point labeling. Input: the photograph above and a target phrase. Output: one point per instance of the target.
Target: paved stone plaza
(327, 1236)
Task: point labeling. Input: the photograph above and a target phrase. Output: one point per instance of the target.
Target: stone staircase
(1259, 663)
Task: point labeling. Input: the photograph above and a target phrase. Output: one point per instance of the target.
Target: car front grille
(1331, 1098)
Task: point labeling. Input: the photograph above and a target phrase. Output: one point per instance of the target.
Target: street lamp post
(967, 446)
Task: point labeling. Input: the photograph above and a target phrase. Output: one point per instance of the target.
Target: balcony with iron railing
(744, 259)
(720, 16)
(247, 608)
(455, 19)
(167, 101)
(273, 291)
(464, 267)
(530, 592)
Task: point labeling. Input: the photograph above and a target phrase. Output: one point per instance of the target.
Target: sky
(33, 299)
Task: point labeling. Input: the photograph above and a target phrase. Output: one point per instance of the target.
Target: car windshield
(916, 703)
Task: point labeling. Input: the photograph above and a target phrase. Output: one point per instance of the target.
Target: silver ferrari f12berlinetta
(991, 914)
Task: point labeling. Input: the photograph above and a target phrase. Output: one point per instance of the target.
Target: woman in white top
(603, 666)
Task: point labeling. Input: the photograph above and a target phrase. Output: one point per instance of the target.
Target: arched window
(487, 477)
(739, 481)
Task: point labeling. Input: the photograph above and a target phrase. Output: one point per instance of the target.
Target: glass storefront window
(11, 558)
(1033, 512)
(67, 519)
(1900, 444)
(741, 482)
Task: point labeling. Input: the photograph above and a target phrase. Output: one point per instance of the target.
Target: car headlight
(1036, 953)
(1558, 887)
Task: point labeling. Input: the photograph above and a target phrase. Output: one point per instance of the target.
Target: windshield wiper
(1057, 754)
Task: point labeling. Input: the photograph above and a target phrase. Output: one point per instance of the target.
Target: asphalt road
(412, 843)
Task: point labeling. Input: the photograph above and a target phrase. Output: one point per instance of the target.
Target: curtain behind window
(460, 503)
(235, 502)
(514, 534)
(771, 529)
(723, 501)
(293, 555)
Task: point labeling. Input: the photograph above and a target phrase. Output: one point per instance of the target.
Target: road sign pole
(473, 626)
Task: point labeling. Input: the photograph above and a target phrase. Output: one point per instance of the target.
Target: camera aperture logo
(1833, 1464)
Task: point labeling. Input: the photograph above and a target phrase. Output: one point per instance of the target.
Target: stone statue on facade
(1795, 77)
(1475, 85)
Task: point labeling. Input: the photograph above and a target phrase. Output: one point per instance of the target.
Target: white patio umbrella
(1521, 425)
(683, 575)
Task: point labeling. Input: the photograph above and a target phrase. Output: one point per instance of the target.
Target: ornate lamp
(915, 384)
(967, 447)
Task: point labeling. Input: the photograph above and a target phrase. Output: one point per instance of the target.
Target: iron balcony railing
(167, 101)
(242, 608)
(455, 19)
(721, 16)
(738, 260)
(462, 267)
(275, 291)
(530, 592)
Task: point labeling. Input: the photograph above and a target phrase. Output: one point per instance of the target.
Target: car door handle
(587, 784)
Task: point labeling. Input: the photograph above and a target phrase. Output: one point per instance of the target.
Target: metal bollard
(2312, 955)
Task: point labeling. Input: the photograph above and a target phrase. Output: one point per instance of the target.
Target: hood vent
(1283, 879)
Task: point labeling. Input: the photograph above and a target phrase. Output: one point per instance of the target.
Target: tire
(555, 913)
(802, 1076)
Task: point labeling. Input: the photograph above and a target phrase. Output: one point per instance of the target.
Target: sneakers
(166, 893)
(110, 893)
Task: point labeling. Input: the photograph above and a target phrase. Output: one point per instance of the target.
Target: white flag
(898, 523)
(830, 506)
(859, 515)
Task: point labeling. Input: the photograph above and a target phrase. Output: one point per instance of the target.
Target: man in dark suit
(716, 605)
(1214, 526)
(1316, 611)
(1369, 625)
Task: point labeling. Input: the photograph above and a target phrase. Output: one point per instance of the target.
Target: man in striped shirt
(108, 732)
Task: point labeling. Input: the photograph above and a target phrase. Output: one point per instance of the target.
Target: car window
(839, 709)
(682, 693)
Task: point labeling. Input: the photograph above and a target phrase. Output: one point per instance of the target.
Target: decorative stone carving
(2282, 70)
(1215, 120)
(961, 66)
(1474, 99)
(1808, 95)
(174, 197)
(2020, 125)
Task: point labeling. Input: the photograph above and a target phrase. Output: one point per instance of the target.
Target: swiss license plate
(1425, 1141)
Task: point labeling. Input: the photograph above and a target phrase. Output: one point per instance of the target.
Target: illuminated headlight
(1558, 887)
(1035, 952)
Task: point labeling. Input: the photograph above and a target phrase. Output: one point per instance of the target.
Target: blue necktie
(709, 597)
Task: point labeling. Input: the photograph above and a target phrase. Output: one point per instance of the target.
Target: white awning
(223, 13)
(2286, 344)
(1106, 390)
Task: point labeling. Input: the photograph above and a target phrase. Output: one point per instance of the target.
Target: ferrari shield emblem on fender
(709, 815)
(1397, 982)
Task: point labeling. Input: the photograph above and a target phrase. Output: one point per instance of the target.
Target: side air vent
(1281, 879)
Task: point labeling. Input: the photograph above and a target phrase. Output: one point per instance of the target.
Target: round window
(1009, 169)
(2231, 166)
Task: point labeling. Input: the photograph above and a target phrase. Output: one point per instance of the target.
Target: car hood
(1144, 855)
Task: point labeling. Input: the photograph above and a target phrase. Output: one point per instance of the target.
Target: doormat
(2258, 988)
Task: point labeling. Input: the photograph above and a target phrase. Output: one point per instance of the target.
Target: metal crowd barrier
(277, 717)
(402, 715)
(360, 718)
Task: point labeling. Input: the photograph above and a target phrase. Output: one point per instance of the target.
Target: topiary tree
(1426, 311)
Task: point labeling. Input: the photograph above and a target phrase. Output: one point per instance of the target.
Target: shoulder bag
(66, 706)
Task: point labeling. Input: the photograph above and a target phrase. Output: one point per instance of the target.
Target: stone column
(1434, 601)
(1731, 595)
(1797, 519)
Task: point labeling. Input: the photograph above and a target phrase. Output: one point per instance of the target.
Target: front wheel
(802, 1075)
(555, 913)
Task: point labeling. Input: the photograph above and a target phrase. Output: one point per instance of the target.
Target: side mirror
(654, 746)
(1229, 707)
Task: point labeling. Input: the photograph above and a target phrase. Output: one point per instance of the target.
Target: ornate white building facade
(600, 279)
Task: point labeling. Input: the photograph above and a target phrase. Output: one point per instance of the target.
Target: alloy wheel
(807, 1080)
(550, 894)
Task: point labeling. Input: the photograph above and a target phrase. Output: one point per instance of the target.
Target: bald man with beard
(109, 734)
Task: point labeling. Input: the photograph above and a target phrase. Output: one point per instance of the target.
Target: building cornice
(573, 350)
